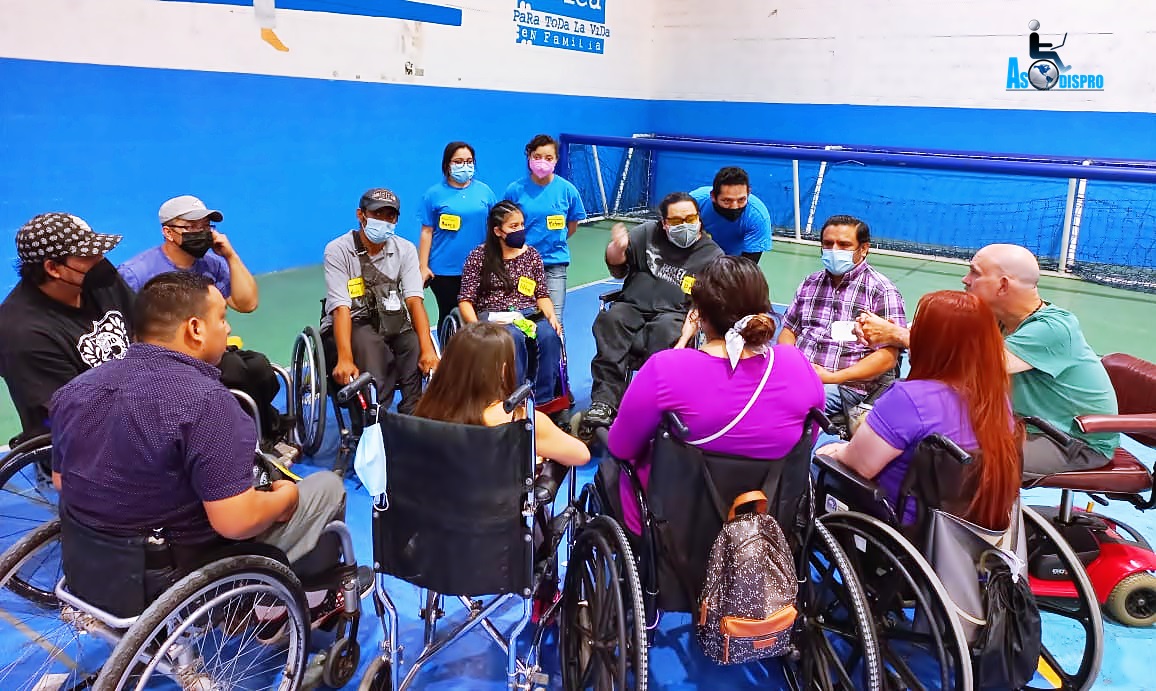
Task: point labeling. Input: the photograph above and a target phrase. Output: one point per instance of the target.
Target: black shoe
(599, 415)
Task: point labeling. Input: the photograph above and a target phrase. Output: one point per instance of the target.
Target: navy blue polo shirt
(141, 442)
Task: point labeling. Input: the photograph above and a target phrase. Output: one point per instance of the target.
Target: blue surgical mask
(838, 262)
(683, 235)
(462, 172)
(378, 232)
(516, 239)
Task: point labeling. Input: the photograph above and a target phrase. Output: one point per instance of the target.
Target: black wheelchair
(27, 497)
(490, 530)
(833, 640)
(930, 615)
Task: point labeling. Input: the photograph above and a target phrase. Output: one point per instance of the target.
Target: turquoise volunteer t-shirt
(458, 218)
(751, 232)
(1067, 379)
(548, 209)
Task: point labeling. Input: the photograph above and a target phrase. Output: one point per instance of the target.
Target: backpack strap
(756, 497)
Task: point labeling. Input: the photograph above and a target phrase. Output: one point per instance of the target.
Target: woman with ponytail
(958, 387)
(738, 394)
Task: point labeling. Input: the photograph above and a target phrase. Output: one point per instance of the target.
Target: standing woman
(453, 222)
(553, 208)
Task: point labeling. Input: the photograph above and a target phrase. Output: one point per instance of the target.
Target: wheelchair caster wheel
(341, 663)
(378, 677)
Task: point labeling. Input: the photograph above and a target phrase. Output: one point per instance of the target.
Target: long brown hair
(955, 339)
(477, 368)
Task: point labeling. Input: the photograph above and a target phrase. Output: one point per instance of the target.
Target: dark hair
(730, 288)
(494, 274)
(541, 140)
(448, 155)
(33, 272)
(730, 175)
(862, 232)
(169, 300)
(476, 369)
(674, 198)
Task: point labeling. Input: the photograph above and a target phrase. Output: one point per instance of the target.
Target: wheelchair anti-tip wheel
(309, 380)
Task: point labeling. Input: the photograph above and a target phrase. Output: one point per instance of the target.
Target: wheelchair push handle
(820, 418)
(520, 394)
(350, 390)
(675, 424)
(953, 449)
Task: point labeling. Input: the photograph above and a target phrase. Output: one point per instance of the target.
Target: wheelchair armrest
(826, 463)
(1126, 424)
(550, 477)
(612, 296)
(1060, 437)
(350, 390)
(520, 394)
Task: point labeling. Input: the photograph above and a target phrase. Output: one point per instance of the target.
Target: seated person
(69, 312)
(735, 218)
(822, 315)
(475, 377)
(958, 388)
(737, 394)
(1056, 376)
(505, 275)
(154, 442)
(369, 272)
(659, 261)
(192, 243)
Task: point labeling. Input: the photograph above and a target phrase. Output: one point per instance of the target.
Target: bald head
(1013, 261)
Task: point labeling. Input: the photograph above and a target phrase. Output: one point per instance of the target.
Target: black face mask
(197, 242)
(99, 277)
(728, 214)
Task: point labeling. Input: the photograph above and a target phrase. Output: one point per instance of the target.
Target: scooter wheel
(1133, 601)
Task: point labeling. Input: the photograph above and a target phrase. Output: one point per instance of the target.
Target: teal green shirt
(1066, 379)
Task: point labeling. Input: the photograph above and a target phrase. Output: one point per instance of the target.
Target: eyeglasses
(677, 221)
(196, 228)
(462, 161)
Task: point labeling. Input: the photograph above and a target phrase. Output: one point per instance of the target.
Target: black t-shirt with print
(45, 343)
(659, 274)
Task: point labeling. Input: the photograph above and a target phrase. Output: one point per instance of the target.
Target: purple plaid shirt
(819, 302)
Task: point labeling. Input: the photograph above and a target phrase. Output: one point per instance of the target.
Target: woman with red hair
(958, 387)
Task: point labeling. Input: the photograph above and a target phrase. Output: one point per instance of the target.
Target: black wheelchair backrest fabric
(681, 500)
(936, 480)
(455, 493)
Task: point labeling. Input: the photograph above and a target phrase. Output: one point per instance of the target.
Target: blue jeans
(837, 397)
(556, 284)
(549, 357)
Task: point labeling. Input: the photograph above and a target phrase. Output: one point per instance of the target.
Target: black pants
(625, 336)
(392, 360)
(250, 371)
(445, 290)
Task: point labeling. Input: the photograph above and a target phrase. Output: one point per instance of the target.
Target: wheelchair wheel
(602, 631)
(835, 636)
(921, 642)
(45, 646)
(448, 327)
(28, 498)
(1063, 621)
(205, 632)
(309, 377)
(378, 676)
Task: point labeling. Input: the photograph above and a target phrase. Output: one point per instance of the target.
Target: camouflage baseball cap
(58, 235)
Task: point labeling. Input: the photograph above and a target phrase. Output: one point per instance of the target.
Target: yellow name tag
(356, 287)
(555, 222)
(687, 284)
(526, 286)
(449, 222)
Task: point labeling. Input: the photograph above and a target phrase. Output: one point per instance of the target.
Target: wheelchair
(927, 621)
(489, 531)
(833, 640)
(27, 497)
(1119, 561)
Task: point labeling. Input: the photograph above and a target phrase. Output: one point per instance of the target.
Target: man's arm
(867, 369)
(875, 331)
(616, 250)
(250, 513)
(786, 336)
(1014, 364)
(33, 372)
(242, 285)
(571, 228)
(428, 358)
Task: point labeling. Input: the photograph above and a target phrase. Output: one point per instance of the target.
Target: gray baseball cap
(188, 208)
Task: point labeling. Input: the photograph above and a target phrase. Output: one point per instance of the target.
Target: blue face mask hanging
(378, 232)
(369, 460)
(838, 262)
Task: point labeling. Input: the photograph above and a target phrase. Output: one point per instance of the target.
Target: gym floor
(289, 300)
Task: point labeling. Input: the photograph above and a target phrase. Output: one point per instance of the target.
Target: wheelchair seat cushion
(1135, 383)
(1124, 474)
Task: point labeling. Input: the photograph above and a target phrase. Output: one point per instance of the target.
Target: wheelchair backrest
(1135, 383)
(691, 492)
(452, 519)
(941, 477)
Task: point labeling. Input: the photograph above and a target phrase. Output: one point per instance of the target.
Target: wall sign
(567, 24)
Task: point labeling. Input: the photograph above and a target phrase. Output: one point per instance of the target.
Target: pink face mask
(541, 167)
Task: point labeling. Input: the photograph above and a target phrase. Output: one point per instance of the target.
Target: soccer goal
(1091, 219)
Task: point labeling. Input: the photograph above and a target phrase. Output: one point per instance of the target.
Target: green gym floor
(1111, 317)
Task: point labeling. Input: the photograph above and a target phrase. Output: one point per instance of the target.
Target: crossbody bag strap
(770, 354)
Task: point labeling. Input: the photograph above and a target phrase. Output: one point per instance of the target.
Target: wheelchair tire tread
(634, 584)
(14, 557)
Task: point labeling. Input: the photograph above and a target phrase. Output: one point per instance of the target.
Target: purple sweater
(707, 395)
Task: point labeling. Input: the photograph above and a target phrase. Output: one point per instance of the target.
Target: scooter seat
(1123, 475)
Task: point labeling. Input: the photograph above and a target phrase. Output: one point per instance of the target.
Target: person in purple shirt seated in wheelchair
(737, 394)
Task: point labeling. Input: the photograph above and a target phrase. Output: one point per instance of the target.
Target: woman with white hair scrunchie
(737, 394)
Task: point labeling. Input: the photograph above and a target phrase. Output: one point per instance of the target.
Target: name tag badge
(526, 286)
(356, 287)
(556, 222)
(449, 222)
(687, 284)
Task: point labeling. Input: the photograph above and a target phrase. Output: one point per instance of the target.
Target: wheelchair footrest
(330, 580)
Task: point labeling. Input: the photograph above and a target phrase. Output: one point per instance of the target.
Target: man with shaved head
(1056, 375)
